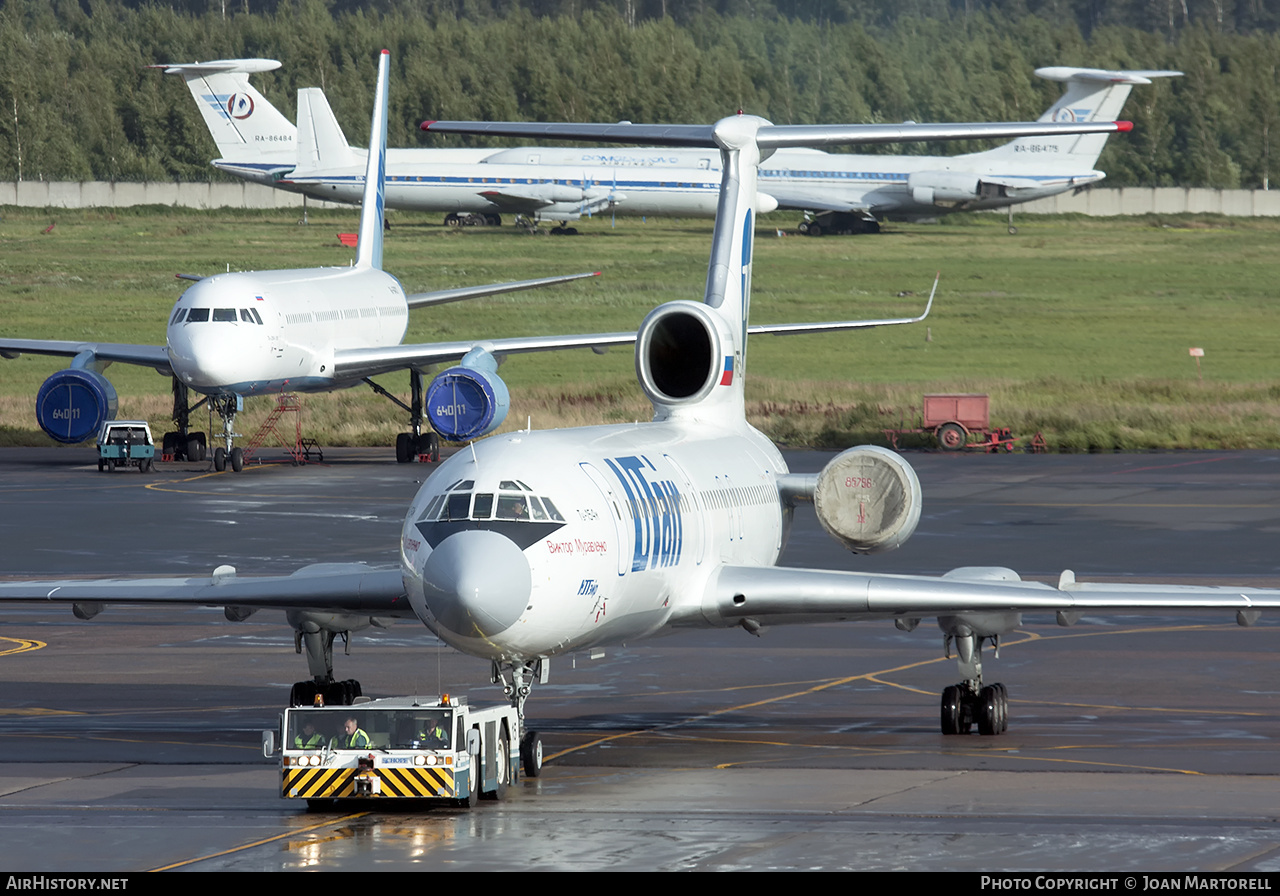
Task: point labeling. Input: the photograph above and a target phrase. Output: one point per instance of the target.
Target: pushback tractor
(415, 748)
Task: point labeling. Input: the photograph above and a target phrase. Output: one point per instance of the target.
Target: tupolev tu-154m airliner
(536, 544)
(235, 335)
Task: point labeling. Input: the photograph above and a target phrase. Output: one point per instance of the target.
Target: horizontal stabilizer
(218, 66)
(1108, 76)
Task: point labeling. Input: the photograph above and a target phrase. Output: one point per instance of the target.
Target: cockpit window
(458, 506)
(244, 316)
(512, 485)
(197, 315)
(512, 507)
(177, 316)
(483, 508)
(224, 315)
(256, 316)
(552, 512)
(464, 485)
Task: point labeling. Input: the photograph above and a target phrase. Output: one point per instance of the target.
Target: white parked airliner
(235, 335)
(531, 545)
(839, 193)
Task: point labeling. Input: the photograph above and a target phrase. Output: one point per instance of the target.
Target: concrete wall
(1103, 202)
(1100, 202)
(100, 194)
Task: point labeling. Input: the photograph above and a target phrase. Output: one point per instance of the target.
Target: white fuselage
(536, 543)
(261, 332)
(676, 182)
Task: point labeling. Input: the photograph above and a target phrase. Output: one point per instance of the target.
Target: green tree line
(78, 102)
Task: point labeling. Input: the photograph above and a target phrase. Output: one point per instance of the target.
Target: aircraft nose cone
(477, 583)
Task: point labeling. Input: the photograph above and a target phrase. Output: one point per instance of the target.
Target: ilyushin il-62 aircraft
(839, 193)
(235, 335)
(535, 544)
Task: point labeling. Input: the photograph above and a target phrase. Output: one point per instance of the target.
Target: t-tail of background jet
(1092, 94)
(255, 141)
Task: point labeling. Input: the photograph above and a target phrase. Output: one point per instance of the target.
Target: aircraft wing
(813, 202)
(339, 587)
(154, 356)
(359, 363)
(441, 296)
(364, 362)
(780, 595)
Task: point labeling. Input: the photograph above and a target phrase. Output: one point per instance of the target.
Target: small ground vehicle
(125, 443)
(398, 747)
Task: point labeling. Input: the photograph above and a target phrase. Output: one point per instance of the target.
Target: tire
(101, 465)
(303, 693)
(815, 230)
(502, 765)
(197, 450)
(220, 459)
(531, 754)
(952, 710)
(493, 220)
(951, 436)
(473, 782)
(991, 714)
(404, 448)
(144, 465)
(452, 220)
(237, 459)
(433, 447)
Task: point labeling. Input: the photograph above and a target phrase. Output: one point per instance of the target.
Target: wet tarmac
(131, 741)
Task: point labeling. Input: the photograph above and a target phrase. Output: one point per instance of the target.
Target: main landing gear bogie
(334, 693)
(963, 707)
(410, 447)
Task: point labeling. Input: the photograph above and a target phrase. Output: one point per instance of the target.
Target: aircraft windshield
(513, 501)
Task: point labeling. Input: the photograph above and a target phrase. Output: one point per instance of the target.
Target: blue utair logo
(655, 513)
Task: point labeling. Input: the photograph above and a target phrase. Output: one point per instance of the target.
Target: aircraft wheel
(433, 447)
(815, 230)
(220, 459)
(803, 227)
(404, 448)
(1012, 230)
(503, 769)
(237, 459)
(992, 710)
(531, 754)
(303, 693)
(951, 436)
(952, 710)
(197, 450)
(493, 220)
(452, 220)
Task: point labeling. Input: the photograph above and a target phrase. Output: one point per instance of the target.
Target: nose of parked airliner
(477, 583)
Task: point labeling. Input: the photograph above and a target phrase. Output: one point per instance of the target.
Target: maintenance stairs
(295, 446)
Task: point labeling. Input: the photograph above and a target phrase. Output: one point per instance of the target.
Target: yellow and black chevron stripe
(336, 783)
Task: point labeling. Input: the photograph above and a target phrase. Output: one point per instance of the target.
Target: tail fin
(373, 204)
(321, 142)
(1091, 94)
(254, 139)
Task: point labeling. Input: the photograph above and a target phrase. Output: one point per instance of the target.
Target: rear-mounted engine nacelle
(868, 499)
(469, 400)
(683, 351)
(73, 404)
(943, 187)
